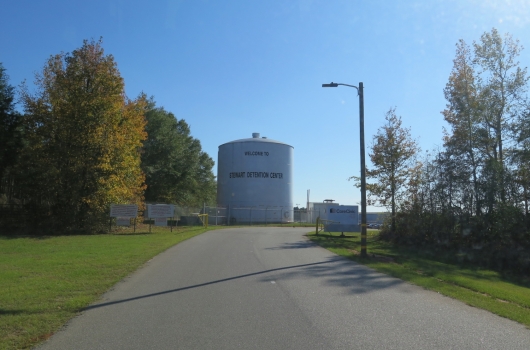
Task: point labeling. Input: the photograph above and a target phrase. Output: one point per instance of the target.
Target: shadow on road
(208, 283)
(295, 245)
(343, 273)
(336, 271)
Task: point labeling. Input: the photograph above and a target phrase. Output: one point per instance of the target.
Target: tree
(486, 95)
(502, 89)
(176, 168)
(392, 155)
(463, 115)
(84, 137)
(520, 157)
(10, 134)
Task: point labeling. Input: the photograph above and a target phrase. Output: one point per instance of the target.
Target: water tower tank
(255, 180)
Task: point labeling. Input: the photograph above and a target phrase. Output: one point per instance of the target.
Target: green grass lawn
(46, 281)
(486, 289)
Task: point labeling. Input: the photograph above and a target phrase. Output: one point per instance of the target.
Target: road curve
(270, 288)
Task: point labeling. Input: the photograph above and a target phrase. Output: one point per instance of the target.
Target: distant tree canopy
(176, 168)
(10, 134)
(82, 145)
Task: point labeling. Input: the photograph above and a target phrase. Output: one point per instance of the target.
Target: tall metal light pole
(360, 92)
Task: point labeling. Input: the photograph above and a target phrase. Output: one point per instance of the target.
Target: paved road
(270, 288)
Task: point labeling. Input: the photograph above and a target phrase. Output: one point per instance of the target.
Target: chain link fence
(259, 215)
(14, 218)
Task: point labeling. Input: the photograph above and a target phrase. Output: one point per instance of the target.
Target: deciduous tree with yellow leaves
(83, 140)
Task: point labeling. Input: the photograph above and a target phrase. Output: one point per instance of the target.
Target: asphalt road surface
(270, 288)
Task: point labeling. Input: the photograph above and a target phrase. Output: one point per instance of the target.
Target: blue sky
(234, 67)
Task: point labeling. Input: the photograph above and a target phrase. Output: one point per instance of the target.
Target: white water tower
(255, 180)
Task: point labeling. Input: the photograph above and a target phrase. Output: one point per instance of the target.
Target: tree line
(469, 198)
(81, 144)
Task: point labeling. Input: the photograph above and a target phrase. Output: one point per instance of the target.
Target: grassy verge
(485, 289)
(46, 281)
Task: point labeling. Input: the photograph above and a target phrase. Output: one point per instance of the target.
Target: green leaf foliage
(176, 168)
(10, 136)
(393, 158)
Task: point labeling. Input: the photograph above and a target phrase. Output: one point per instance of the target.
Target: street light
(360, 92)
